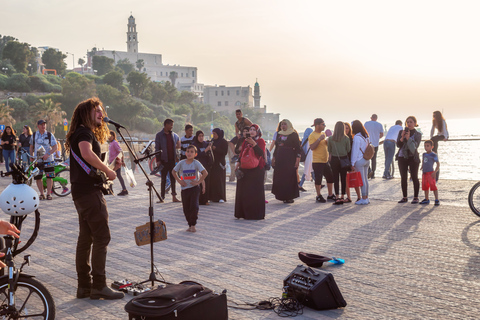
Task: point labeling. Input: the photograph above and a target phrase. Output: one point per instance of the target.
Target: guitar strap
(81, 163)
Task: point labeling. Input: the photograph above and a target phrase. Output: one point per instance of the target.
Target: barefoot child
(186, 173)
(428, 177)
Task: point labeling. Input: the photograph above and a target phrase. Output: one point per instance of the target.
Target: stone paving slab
(403, 261)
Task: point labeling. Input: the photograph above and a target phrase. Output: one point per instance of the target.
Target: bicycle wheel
(61, 183)
(474, 199)
(32, 299)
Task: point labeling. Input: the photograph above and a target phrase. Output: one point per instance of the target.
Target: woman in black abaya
(285, 161)
(250, 194)
(217, 192)
(204, 155)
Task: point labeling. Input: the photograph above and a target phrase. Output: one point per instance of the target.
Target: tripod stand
(151, 188)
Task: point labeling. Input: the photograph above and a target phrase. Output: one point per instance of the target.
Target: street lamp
(4, 69)
(9, 97)
(73, 59)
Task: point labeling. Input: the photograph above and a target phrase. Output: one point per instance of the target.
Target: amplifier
(314, 288)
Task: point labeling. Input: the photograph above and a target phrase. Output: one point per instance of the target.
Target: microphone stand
(151, 187)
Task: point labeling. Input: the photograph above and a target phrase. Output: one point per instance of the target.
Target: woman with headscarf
(204, 155)
(307, 166)
(250, 194)
(285, 161)
(217, 192)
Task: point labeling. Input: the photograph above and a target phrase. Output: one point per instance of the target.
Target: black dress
(205, 159)
(218, 176)
(250, 193)
(285, 184)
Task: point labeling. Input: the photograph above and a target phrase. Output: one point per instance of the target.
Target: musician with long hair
(87, 132)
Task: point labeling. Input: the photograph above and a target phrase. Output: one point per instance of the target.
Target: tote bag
(354, 179)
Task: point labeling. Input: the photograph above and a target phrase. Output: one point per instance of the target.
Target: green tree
(171, 92)
(51, 112)
(114, 79)
(5, 115)
(125, 65)
(53, 59)
(81, 62)
(140, 63)
(102, 64)
(19, 54)
(18, 83)
(138, 82)
(157, 92)
(20, 109)
(173, 77)
(76, 88)
(6, 68)
(3, 42)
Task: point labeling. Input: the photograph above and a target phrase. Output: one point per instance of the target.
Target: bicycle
(474, 198)
(21, 295)
(61, 184)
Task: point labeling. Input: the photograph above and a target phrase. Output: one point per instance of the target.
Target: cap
(41, 122)
(317, 122)
(313, 260)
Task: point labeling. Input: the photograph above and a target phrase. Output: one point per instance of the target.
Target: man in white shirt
(375, 132)
(389, 145)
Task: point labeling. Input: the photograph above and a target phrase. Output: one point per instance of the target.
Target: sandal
(403, 200)
(49, 197)
(338, 201)
(41, 197)
(347, 200)
(415, 201)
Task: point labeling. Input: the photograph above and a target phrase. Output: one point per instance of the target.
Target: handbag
(354, 179)
(344, 161)
(249, 159)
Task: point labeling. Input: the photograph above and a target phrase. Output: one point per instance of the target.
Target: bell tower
(132, 38)
(256, 95)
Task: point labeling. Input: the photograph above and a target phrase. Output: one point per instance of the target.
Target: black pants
(338, 173)
(435, 142)
(167, 169)
(190, 204)
(93, 237)
(374, 162)
(403, 165)
(120, 178)
(322, 170)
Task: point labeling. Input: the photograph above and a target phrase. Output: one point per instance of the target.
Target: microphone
(106, 119)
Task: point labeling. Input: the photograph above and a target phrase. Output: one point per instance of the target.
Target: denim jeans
(362, 166)
(9, 156)
(389, 149)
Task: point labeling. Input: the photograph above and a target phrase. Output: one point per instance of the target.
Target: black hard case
(184, 301)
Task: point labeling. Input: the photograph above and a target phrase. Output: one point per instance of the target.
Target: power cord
(283, 307)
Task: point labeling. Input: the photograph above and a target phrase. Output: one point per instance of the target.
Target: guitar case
(184, 301)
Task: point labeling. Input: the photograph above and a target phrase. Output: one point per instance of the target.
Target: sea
(459, 156)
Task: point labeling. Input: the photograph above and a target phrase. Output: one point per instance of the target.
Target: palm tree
(173, 76)
(81, 62)
(5, 115)
(51, 112)
(140, 63)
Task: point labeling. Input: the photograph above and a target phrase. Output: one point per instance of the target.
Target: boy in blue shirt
(428, 177)
(186, 173)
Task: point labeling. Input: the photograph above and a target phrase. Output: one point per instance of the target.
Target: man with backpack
(42, 146)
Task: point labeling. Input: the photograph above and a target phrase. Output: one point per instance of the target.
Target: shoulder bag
(249, 159)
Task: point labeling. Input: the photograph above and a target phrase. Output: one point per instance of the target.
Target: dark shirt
(82, 183)
(25, 141)
(11, 140)
(170, 146)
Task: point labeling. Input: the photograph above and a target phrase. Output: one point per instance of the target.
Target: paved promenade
(402, 261)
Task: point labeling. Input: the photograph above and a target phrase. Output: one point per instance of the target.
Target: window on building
(219, 103)
(238, 92)
(222, 92)
(182, 74)
(193, 73)
(238, 103)
(216, 93)
(161, 73)
(226, 103)
(228, 92)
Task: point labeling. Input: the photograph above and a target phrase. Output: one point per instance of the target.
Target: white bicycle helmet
(18, 200)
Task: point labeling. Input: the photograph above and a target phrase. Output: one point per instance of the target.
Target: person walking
(87, 132)
(42, 139)
(408, 141)
(114, 150)
(218, 189)
(438, 123)
(375, 132)
(338, 148)
(24, 140)
(167, 142)
(320, 165)
(250, 193)
(359, 163)
(204, 155)
(9, 143)
(285, 161)
(389, 147)
(186, 140)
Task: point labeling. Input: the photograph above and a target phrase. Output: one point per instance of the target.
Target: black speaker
(314, 288)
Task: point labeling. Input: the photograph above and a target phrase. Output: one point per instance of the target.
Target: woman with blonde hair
(285, 161)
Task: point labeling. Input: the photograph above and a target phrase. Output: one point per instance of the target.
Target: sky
(339, 60)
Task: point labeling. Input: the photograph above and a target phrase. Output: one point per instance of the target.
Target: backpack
(249, 159)
(369, 151)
